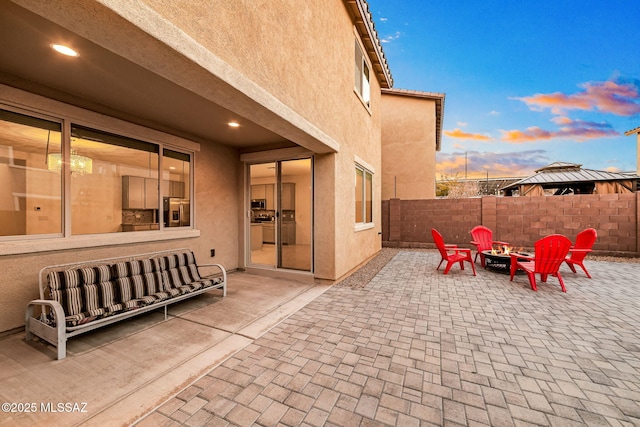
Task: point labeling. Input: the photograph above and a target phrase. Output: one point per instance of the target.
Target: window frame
(362, 74)
(366, 195)
(22, 244)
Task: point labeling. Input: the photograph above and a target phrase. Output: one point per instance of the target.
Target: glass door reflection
(281, 196)
(262, 178)
(295, 214)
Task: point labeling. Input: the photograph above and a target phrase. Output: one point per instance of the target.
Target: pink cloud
(459, 134)
(577, 129)
(606, 97)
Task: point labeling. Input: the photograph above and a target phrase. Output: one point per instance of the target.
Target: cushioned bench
(79, 297)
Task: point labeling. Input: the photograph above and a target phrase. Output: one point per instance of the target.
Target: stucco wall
(521, 221)
(408, 147)
(302, 52)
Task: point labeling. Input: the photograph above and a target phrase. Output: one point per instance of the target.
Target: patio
(413, 347)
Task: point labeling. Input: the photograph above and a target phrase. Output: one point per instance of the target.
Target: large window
(113, 183)
(364, 195)
(30, 181)
(362, 85)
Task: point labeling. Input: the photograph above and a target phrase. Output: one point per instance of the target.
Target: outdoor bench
(79, 297)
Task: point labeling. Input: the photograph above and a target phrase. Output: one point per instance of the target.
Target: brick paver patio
(417, 348)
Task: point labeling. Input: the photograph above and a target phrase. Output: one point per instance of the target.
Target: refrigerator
(177, 212)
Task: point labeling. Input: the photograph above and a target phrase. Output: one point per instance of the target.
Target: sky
(527, 83)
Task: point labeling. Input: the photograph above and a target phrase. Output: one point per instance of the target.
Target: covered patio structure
(562, 178)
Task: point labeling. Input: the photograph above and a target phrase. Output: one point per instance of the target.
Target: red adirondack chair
(483, 241)
(584, 242)
(550, 253)
(459, 255)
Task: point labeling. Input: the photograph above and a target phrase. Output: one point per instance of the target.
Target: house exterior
(250, 133)
(411, 135)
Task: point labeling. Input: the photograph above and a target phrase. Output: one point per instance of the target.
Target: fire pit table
(500, 262)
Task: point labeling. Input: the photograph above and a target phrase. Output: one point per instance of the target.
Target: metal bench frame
(59, 334)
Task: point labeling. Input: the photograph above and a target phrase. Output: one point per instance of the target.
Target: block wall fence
(517, 220)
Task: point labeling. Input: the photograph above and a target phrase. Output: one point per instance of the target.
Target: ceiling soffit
(136, 72)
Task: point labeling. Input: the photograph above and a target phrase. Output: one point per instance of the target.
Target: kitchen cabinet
(288, 198)
(173, 189)
(133, 188)
(256, 237)
(150, 193)
(257, 192)
(269, 197)
(139, 192)
(140, 227)
(288, 234)
(268, 233)
(264, 192)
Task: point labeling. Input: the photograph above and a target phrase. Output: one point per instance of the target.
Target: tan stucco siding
(302, 52)
(353, 246)
(408, 147)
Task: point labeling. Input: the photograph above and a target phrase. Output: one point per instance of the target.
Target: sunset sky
(527, 83)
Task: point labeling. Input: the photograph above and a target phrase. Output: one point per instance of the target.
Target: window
(364, 196)
(113, 181)
(30, 178)
(362, 86)
(114, 191)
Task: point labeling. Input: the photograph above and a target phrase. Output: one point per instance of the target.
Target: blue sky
(527, 83)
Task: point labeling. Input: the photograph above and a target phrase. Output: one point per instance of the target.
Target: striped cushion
(70, 299)
(176, 277)
(91, 293)
(93, 275)
(180, 259)
(64, 279)
(66, 288)
(132, 268)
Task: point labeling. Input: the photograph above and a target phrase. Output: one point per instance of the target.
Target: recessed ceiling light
(234, 124)
(65, 50)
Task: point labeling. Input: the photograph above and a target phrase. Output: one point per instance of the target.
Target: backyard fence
(517, 220)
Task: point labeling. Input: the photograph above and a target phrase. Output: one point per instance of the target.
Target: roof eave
(632, 131)
(363, 21)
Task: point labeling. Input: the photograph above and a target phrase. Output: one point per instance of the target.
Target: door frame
(275, 156)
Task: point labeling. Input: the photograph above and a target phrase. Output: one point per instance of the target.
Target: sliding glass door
(280, 220)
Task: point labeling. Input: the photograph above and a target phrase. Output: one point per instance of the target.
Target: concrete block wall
(518, 220)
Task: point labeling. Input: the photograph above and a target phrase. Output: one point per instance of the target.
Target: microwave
(258, 204)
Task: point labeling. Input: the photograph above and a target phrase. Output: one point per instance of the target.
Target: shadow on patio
(114, 375)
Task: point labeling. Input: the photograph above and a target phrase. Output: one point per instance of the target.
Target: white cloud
(391, 38)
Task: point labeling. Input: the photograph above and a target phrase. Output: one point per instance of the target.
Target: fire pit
(499, 261)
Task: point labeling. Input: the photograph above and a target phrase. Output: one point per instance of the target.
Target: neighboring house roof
(437, 97)
(563, 173)
(558, 166)
(632, 131)
(366, 29)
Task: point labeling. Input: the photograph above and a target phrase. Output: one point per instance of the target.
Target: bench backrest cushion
(137, 279)
(105, 288)
(178, 270)
(68, 286)
(90, 292)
